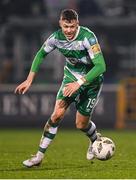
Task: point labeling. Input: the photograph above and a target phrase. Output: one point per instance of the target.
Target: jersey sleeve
(92, 46)
(96, 56)
(49, 44)
(47, 47)
(38, 59)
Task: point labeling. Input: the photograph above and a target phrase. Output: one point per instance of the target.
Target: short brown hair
(69, 14)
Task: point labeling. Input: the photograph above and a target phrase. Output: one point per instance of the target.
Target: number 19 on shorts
(91, 103)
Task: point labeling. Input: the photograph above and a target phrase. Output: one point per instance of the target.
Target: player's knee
(81, 125)
(56, 116)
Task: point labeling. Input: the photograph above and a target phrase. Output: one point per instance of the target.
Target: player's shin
(50, 130)
(49, 133)
(91, 131)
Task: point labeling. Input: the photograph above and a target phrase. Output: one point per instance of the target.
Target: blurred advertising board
(35, 107)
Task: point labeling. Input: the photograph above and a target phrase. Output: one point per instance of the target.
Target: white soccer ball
(103, 148)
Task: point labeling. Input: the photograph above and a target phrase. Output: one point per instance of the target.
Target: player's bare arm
(24, 86)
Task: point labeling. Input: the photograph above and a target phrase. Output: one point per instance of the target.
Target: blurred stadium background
(25, 24)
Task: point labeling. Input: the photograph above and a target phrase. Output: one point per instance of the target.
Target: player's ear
(60, 22)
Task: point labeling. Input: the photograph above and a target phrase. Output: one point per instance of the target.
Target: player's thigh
(88, 100)
(61, 105)
(59, 109)
(62, 102)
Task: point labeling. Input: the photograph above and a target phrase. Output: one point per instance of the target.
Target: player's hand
(70, 89)
(23, 87)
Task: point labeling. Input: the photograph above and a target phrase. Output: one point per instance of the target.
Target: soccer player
(82, 81)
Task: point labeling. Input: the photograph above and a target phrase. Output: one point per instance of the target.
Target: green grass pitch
(66, 157)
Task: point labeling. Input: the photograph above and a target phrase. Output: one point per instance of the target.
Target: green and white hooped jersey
(78, 52)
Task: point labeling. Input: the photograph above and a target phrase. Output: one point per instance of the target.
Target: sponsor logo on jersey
(72, 61)
(96, 48)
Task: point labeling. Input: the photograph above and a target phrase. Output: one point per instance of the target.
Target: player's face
(69, 28)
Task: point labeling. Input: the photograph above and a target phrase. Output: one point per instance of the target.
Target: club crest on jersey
(77, 45)
(92, 41)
